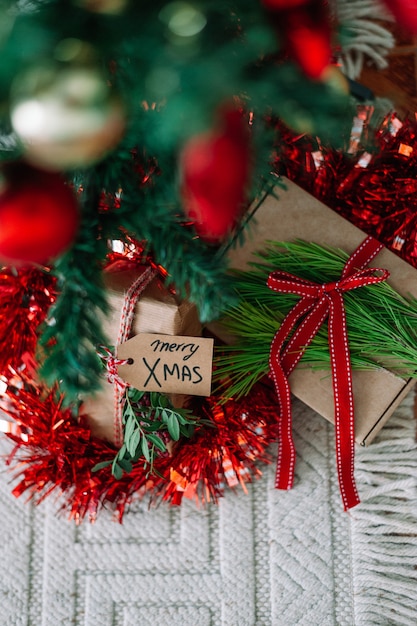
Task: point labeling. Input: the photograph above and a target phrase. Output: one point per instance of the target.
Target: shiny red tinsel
(26, 294)
(372, 182)
(225, 454)
(56, 453)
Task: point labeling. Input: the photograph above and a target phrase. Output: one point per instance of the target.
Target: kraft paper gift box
(158, 310)
(298, 215)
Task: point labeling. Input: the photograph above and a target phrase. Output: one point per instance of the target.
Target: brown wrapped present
(298, 215)
(157, 310)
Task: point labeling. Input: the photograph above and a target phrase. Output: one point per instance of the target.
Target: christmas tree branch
(73, 327)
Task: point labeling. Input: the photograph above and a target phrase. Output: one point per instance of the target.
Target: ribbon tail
(284, 477)
(343, 402)
(282, 362)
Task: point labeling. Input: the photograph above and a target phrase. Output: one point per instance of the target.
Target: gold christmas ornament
(65, 115)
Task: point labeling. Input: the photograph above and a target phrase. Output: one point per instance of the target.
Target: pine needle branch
(382, 324)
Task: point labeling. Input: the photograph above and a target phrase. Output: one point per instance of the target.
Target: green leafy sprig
(147, 416)
(382, 324)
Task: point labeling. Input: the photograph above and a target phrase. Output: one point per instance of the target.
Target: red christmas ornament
(303, 27)
(215, 170)
(38, 215)
(405, 13)
(308, 40)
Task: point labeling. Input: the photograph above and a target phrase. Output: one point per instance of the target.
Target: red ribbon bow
(317, 303)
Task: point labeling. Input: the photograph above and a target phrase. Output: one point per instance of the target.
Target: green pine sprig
(147, 416)
(382, 324)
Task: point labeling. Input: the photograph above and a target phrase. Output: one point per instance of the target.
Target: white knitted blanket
(267, 558)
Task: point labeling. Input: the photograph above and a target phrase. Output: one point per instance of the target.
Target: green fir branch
(151, 213)
(382, 324)
(73, 328)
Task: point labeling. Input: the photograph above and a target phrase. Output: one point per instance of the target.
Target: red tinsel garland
(373, 182)
(26, 294)
(226, 453)
(56, 452)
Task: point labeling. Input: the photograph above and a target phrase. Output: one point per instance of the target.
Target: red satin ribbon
(319, 302)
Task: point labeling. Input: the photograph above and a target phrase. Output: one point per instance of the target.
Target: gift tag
(168, 363)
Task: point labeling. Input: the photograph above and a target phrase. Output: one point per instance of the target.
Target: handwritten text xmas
(169, 364)
(158, 369)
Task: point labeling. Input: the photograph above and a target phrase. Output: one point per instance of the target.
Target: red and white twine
(112, 362)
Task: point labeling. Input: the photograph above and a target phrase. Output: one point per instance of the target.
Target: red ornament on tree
(215, 168)
(303, 26)
(308, 39)
(405, 13)
(38, 215)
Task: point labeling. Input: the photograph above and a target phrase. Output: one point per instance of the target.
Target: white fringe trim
(370, 42)
(384, 525)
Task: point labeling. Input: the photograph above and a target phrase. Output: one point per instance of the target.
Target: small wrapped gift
(369, 396)
(156, 309)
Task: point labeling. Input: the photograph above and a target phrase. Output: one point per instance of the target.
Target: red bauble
(308, 41)
(215, 168)
(405, 13)
(304, 29)
(38, 215)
